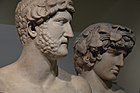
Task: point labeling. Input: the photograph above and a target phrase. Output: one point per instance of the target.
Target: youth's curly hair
(35, 12)
(96, 40)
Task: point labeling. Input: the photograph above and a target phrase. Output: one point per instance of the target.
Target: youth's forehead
(111, 50)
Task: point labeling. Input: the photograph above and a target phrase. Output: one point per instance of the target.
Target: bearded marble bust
(44, 29)
(99, 54)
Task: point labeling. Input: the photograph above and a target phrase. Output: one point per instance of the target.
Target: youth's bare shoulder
(80, 84)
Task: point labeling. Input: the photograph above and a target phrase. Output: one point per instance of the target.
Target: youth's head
(102, 47)
(47, 22)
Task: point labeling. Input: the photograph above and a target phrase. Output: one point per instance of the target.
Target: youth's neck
(35, 66)
(96, 83)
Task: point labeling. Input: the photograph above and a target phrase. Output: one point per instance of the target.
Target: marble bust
(44, 30)
(99, 54)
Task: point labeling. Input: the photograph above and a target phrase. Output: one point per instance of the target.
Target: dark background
(123, 12)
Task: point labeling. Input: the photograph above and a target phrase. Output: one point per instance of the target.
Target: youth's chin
(108, 77)
(111, 77)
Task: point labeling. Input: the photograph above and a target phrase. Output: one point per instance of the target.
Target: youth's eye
(124, 53)
(114, 52)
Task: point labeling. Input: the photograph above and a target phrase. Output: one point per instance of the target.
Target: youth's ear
(31, 30)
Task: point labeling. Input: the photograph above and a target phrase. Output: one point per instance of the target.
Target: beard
(48, 46)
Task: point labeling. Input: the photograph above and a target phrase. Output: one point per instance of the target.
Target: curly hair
(35, 12)
(96, 40)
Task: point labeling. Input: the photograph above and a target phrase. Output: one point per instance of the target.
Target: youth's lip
(116, 70)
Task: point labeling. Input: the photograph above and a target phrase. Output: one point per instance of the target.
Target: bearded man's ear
(31, 30)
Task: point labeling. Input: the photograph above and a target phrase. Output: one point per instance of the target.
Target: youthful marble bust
(99, 55)
(44, 30)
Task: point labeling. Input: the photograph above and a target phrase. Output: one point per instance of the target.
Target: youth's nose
(120, 61)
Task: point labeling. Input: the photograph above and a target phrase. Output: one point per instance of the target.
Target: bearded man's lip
(64, 43)
(116, 71)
